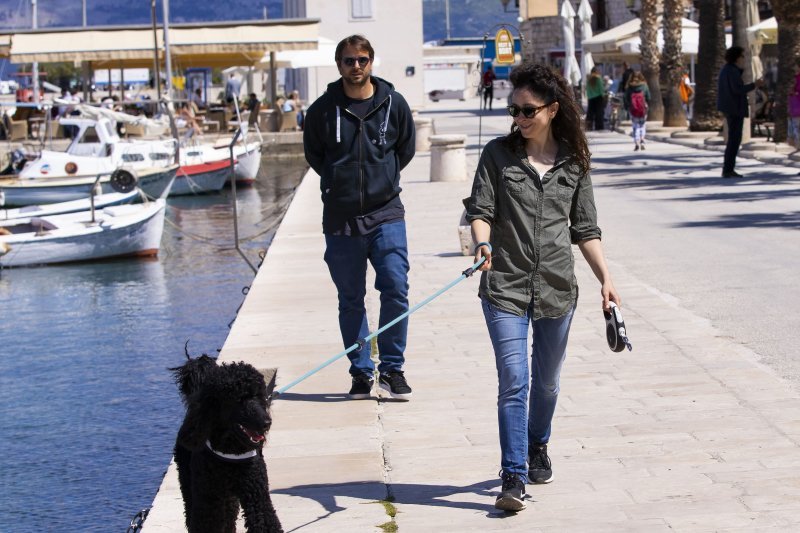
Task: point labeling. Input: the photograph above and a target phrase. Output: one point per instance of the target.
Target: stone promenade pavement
(688, 432)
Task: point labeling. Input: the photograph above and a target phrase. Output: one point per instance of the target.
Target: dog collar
(231, 456)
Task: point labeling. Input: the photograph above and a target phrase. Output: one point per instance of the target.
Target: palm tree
(710, 57)
(672, 59)
(787, 13)
(650, 57)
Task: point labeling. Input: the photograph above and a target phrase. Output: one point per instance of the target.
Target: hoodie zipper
(361, 150)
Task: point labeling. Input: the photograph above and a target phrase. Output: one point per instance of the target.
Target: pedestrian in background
(794, 107)
(627, 72)
(528, 276)
(487, 84)
(732, 101)
(687, 93)
(358, 136)
(232, 88)
(595, 94)
(637, 100)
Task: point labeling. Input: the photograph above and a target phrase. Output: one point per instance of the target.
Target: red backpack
(638, 104)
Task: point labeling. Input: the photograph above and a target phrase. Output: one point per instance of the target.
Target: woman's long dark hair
(551, 86)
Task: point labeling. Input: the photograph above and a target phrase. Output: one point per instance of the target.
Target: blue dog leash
(362, 342)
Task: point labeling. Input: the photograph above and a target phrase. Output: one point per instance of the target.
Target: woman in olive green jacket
(531, 200)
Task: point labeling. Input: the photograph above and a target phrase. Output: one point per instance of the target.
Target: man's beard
(359, 84)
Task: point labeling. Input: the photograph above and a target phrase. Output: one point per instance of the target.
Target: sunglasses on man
(528, 111)
(363, 61)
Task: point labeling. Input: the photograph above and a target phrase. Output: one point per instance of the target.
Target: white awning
(624, 40)
(207, 44)
(766, 30)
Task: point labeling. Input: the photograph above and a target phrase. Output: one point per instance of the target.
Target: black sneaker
(395, 383)
(362, 387)
(540, 470)
(512, 495)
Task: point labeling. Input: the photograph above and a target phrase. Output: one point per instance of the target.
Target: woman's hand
(481, 231)
(609, 294)
(481, 252)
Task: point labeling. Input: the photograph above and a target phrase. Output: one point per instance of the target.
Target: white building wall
(395, 31)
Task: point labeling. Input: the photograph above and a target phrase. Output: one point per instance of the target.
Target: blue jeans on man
(386, 249)
(525, 421)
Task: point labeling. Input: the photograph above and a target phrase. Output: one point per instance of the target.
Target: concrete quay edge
(688, 432)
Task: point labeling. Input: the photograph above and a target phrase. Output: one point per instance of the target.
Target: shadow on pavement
(402, 493)
(749, 220)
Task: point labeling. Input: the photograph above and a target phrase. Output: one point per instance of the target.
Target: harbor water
(88, 408)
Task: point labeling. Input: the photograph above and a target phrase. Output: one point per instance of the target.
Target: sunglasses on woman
(528, 111)
(351, 61)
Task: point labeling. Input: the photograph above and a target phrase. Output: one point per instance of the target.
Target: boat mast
(156, 72)
(167, 59)
(35, 68)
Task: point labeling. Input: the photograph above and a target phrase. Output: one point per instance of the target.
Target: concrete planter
(448, 157)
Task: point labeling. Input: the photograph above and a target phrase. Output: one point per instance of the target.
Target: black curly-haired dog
(218, 451)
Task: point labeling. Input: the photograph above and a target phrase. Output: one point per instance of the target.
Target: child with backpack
(637, 97)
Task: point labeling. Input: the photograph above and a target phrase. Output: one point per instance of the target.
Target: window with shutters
(362, 9)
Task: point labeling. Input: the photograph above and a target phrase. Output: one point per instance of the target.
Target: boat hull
(100, 201)
(201, 178)
(248, 164)
(38, 191)
(124, 230)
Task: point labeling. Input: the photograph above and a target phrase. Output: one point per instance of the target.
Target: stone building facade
(544, 38)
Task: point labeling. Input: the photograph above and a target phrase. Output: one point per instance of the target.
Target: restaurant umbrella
(754, 39)
(585, 16)
(572, 71)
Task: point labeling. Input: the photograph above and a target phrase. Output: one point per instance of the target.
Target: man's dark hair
(733, 53)
(357, 41)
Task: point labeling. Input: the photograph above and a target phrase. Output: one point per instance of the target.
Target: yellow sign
(504, 47)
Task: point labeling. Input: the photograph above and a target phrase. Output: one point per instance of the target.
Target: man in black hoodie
(358, 136)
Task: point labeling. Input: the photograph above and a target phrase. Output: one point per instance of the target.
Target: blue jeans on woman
(525, 422)
(386, 248)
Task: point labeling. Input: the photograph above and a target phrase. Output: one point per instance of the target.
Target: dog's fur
(227, 406)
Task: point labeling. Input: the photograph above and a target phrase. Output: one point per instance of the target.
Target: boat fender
(124, 180)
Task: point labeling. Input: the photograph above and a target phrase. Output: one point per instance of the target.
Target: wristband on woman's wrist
(483, 243)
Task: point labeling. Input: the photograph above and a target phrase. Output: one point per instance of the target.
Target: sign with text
(504, 47)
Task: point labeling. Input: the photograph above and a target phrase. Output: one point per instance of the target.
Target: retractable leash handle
(363, 342)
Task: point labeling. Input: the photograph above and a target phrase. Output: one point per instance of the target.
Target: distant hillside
(53, 13)
(468, 18)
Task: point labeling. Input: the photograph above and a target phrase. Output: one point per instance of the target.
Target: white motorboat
(36, 191)
(60, 208)
(123, 230)
(97, 148)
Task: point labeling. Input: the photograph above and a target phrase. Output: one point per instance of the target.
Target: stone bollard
(424, 127)
(448, 157)
(465, 235)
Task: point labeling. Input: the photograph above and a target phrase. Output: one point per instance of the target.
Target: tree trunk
(672, 59)
(650, 57)
(787, 14)
(710, 58)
